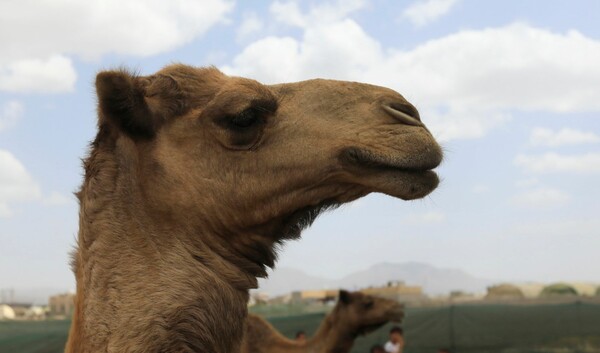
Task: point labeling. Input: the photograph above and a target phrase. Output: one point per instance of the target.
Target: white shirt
(392, 347)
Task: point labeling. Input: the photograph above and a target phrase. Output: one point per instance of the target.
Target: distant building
(397, 290)
(36, 312)
(458, 296)
(504, 291)
(538, 290)
(258, 298)
(531, 290)
(281, 299)
(558, 289)
(20, 309)
(62, 304)
(6, 312)
(307, 296)
(585, 289)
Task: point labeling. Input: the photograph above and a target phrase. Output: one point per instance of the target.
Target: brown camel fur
(195, 178)
(355, 314)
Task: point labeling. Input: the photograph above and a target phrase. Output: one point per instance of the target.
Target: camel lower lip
(380, 175)
(406, 185)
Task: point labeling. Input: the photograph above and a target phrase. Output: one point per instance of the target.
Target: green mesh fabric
(540, 328)
(572, 327)
(33, 336)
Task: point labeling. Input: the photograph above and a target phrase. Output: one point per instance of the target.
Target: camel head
(360, 313)
(255, 163)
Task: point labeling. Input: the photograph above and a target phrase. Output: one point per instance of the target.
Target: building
(504, 291)
(35, 312)
(397, 290)
(62, 304)
(20, 309)
(308, 296)
(585, 289)
(258, 298)
(531, 290)
(6, 312)
(558, 290)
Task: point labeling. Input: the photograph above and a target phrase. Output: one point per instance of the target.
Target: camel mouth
(397, 314)
(408, 178)
(368, 160)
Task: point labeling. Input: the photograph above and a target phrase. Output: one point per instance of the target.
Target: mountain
(284, 280)
(432, 279)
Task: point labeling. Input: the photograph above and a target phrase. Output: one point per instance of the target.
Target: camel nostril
(405, 114)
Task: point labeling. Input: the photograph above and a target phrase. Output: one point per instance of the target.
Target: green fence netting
(482, 328)
(567, 327)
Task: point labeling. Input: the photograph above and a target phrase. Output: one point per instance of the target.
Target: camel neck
(141, 284)
(132, 294)
(331, 337)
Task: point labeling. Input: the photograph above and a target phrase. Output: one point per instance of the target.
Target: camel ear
(122, 101)
(345, 296)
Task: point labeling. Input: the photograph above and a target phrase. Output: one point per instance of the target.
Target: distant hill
(283, 280)
(434, 280)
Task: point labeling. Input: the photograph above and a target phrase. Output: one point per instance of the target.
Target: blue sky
(511, 88)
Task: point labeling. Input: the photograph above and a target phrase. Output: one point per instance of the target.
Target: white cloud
(10, 114)
(588, 163)
(542, 198)
(425, 218)
(54, 74)
(41, 36)
(524, 183)
(56, 199)
(251, 25)
(16, 185)
(461, 122)
(424, 12)
(289, 12)
(277, 59)
(497, 69)
(483, 76)
(546, 137)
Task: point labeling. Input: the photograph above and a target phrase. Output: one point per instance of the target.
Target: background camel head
(360, 313)
(239, 157)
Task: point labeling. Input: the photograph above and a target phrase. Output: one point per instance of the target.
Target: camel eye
(244, 120)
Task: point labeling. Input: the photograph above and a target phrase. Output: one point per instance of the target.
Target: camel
(195, 178)
(354, 314)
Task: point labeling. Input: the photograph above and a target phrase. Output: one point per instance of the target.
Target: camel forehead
(206, 80)
(348, 89)
(183, 72)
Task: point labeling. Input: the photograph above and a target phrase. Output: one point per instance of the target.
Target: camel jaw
(396, 314)
(407, 180)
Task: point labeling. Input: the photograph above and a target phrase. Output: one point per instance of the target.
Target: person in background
(301, 336)
(396, 342)
(377, 349)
